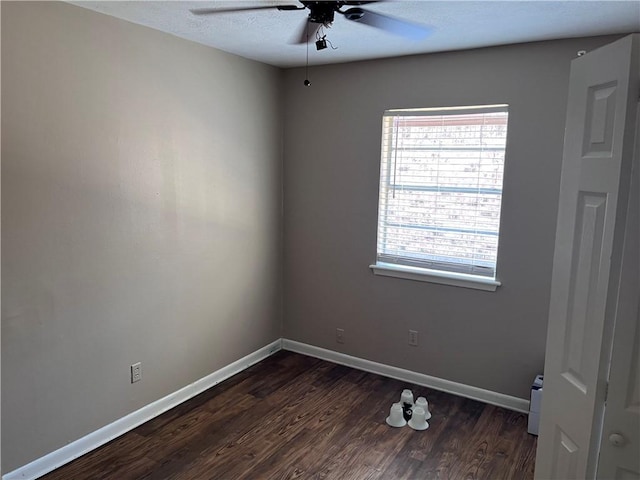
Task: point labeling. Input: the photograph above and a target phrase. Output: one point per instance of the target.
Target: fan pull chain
(307, 83)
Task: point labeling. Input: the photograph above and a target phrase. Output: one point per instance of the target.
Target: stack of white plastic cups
(417, 412)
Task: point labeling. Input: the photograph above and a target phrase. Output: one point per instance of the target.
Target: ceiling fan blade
(210, 11)
(393, 25)
(307, 32)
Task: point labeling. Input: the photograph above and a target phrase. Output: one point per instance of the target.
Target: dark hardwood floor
(293, 416)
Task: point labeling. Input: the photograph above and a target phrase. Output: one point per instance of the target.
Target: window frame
(422, 273)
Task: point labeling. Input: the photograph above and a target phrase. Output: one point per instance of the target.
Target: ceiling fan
(322, 13)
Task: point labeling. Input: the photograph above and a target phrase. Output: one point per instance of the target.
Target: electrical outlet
(413, 338)
(340, 335)
(136, 372)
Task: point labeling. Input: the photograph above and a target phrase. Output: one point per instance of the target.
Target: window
(440, 194)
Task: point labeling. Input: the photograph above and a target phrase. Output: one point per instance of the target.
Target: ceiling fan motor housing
(321, 12)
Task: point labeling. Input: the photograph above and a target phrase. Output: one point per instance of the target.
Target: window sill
(434, 276)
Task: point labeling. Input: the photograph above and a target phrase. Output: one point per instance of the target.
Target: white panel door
(620, 445)
(594, 193)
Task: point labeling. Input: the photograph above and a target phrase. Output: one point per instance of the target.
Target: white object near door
(586, 294)
(533, 423)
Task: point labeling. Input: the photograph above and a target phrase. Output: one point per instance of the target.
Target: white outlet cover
(136, 372)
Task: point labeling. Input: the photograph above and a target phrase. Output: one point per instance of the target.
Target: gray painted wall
(142, 198)
(492, 340)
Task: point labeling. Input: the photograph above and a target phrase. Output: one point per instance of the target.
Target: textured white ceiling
(265, 35)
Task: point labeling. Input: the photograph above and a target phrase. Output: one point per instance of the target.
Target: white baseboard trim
(460, 389)
(89, 442)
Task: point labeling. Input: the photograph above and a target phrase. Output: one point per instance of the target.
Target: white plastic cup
(406, 396)
(418, 419)
(395, 418)
(422, 403)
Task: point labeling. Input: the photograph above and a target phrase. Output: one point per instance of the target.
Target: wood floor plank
(325, 434)
(503, 457)
(296, 417)
(296, 410)
(120, 459)
(485, 434)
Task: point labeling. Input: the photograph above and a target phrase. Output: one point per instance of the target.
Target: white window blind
(441, 188)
